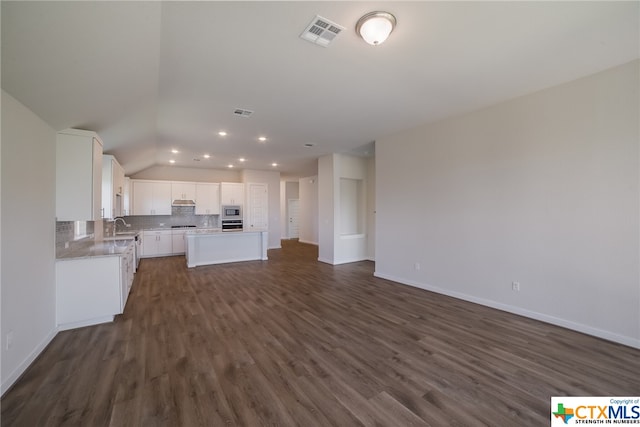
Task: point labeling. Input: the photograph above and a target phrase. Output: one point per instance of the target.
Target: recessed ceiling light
(309, 144)
(206, 156)
(172, 161)
(262, 138)
(274, 164)
(241, 159)
(222, 133)
(229, 166)
(174, 151)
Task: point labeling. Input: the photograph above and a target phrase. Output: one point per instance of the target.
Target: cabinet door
(207, 199)
(178, 243)
(124, 278)
(126, 197)
(183, 191)
(118, 178)
(161, 198)
(150, 243)
(142, 198)
(231, 193)
(165, 243)
(78, 176)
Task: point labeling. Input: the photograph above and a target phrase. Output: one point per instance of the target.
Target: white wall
(542, 190)
(338, 244)
(326, 208)
(308, 194)
(272, 179)
(28, 237)
(371, 208)
(176, 173)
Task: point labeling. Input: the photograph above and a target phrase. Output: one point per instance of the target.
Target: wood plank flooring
(294, 342)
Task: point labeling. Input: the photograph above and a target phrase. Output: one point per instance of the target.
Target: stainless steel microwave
(232, 212)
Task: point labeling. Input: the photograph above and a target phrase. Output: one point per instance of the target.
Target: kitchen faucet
(115, 221)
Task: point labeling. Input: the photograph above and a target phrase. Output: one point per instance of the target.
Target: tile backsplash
(68, 232)
(180, 215)
(72, 231)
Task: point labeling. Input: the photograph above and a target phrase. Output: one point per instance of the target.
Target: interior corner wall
(542, 190)
(27, 186)
(308, 195)
(335, 247)
(272, 179)
(326, 208)
(371, 208)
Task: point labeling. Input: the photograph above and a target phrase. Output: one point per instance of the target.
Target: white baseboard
(13, 377)
(579, 327)
(83, 323)
(309, 242)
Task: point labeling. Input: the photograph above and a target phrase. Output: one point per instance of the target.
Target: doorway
(293, 227)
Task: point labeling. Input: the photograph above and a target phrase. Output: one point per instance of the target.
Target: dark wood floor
(294, 342)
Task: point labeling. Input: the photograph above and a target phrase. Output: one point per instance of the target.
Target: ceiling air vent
(321, 31)
(241, 112)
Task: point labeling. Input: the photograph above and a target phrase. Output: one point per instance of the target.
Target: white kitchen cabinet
(151, 197)
(78, 176)
(183, 191)
(126, 197)
(127, 268)
(177, 239)
(231, 193)
(92, 290)
(207, 199)
(112, 187)
(157, 243)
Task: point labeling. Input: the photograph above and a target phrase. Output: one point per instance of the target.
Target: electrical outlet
(9, 342)
(515, 286)
(416, 266)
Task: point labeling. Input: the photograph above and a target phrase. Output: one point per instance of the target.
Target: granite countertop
(91, 248)
(219, 231)
(203, 231)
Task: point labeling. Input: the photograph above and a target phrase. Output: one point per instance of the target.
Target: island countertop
(206, 247)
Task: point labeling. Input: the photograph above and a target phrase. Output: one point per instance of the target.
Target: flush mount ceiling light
(222, 133)
(375, 27)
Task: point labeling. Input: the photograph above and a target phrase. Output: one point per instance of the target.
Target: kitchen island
(206, 247)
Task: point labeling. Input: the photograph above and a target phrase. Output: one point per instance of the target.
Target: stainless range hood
(181, 202)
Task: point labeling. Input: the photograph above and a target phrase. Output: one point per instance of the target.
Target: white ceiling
(152, 76)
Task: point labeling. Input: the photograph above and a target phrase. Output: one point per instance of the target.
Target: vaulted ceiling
(150, 77)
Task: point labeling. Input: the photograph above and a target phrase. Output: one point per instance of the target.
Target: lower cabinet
(92, 290)
(178, 242)
(157, 243)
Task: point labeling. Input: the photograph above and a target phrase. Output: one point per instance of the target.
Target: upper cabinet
(126, 197)
(231, 193)
(207, 199)
(151, 198)
(78, 176)
(112, 187)
(183, 191)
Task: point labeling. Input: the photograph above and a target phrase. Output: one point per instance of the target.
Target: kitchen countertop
(206, 231)
(91, 248)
